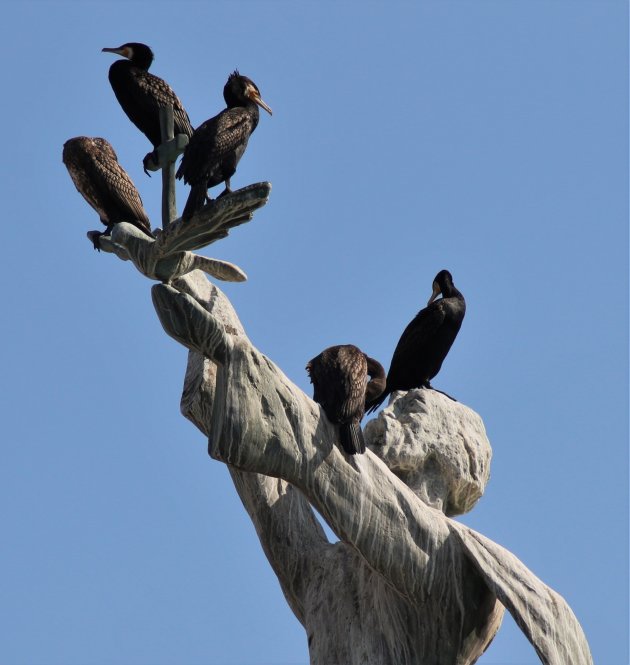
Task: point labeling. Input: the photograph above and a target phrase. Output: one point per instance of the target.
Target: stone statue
(406, 584)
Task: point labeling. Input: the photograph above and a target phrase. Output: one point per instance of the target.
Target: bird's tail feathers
(351, 437)
(196, 200)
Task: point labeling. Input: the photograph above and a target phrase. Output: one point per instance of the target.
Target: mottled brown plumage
(218, 144)
(93, 166)
(339, 375)
(426, 341)
(142, 94)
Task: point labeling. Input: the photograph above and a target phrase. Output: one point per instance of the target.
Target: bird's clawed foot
(227, 190)
(151, 162)
(95, 237)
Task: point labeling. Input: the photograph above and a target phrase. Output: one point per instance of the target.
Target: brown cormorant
(425, 342)
(142, 94)
(104, 184)
(339, 377)
(217, 145)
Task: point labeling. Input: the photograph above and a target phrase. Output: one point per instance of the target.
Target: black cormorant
(142, 94)
(104, 184)
(339, 377)
(425, 342)
(217, 145)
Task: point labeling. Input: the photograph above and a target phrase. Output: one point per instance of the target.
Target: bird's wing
(339, 386)
(420, 330)
(154, 93)
(118, 186)
(211, 141)
(88, 190)
(353, 382)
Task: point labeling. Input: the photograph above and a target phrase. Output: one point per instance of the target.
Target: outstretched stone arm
(289, 533)
(263, 423)
(282, 453)
(291, 537)
(542, 614)
(171, 254)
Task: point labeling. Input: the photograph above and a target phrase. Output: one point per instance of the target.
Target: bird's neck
(450, 291)
(139, 62)
(376, 384)
(253, 111)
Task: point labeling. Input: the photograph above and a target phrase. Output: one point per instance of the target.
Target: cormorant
(339, 377)
(104, 184)
(425, 342)
(217, 145)
(141, 94)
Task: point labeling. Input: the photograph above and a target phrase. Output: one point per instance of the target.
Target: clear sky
(486, 137)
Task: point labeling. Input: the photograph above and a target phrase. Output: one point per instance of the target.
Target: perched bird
(104, 184)
(339, 377)
(217, 145)
(425, 342)
(141, 94)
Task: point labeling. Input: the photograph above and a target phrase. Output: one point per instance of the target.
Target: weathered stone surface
(351, 613)
(542, 614)
(436, 446)
(169, 256)
(406, 584)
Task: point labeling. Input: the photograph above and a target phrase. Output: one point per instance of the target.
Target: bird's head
(239, 89)
(140, 54)
(442, 281)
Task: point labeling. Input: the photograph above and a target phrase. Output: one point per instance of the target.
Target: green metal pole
(167, 129)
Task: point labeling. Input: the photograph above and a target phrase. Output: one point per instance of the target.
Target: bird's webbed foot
(227, 190)
(95, 237)
(151, 162)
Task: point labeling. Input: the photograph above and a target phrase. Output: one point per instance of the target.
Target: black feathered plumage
(426, 341)
(218, 144)
(339, 375)
(142, 94)
(93, 166)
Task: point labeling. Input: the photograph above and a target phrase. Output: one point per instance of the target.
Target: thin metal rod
(167, 129)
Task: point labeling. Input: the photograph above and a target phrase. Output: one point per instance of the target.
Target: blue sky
(489, 138)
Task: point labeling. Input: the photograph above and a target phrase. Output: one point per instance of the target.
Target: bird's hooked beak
(125, 51)
(254, 95)
(436, 292)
